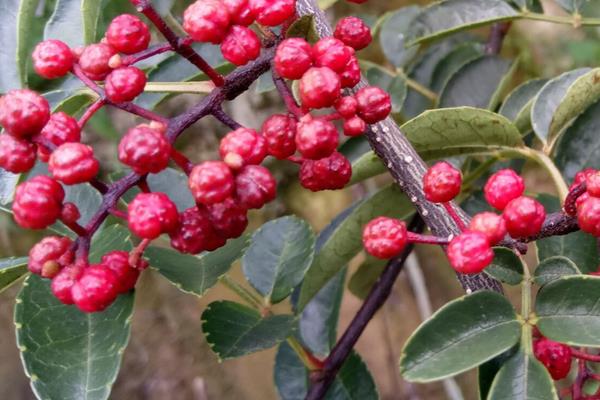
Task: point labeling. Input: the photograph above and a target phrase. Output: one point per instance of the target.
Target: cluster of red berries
(587, 205)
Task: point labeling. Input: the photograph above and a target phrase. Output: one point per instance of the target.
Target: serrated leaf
(11, 270)
(568, 310)
(395, 85)
(365, 277)
(452, 62)
(506, 267)
(517, 105)
(476, 328)
(196, 274)
(394, 35)
(234, 330)
(553, 268)
(75, 22)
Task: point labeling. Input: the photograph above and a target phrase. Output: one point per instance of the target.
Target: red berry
(491, 225)
(228, 218)
(38, 202)
(23, 112)
(62, 283)
(503, 187)
(330, 173)
(581, 199)
(374, 104)
(73, 163)
(353, 32)
(145, 150)
(96, 289)
(293, 58)
(128, 34)
(524, 217)
(279, 132)
(354, 126)
(195, 233)
(243, 147)
(332, 53)
(52, 59)
(593, 184)
(118, 262)
(70, 213)
(16, 155)
(48, 256)
(347, 106)
(442, 183)
(555, 356)
(152, 214)
(240, 12)
(255, 186)
(125, 84)
(319, 87)
(211, 182)
(206, 21)
(470, 253)
(241, 45)
(60, 129)
(273, 12)
(588, 216)
(95, 59)
(385, 237)
(350, 76)
(316, 137)
(582, 176)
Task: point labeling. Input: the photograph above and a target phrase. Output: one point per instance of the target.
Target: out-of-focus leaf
(517, 105)
(11, 270)
(75, 22)
(453, 62)
(394, 35)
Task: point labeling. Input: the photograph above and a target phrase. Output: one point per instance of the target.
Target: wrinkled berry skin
(211, 182)
(96, 289)
(240, 46)
(293, 58)
(73, 163)
(354, 126)
(470, 253)
(23, 112)
(243, 147)
(347, 106)
(316, 138)
(62, 284)
(374, 104)
(195, 232)
(331, 173)
(442, 182)
(125, 84)
(319, 88)
(581, 177)
(524, 217)
(52, 59)
(118, 262)
(152, 214)
(128, 34)
(384, 237)
(555, 356)
(588, 216)
(353, 32)
(239, 12)
(16, 155)
(145, 150)
(206, 21)
(70, 213)
(228, 218)
(272, 12)
(593, 184)
(94, 60)
(332, 53)
(38, 202)
(491, 225)
(255, 187)
(279, 132)
(350, 76)
(49, 255)
(503, 187)
(60, 129)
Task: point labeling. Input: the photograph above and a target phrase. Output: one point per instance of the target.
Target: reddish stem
(455, 217)
(582, 355)
(75, 227)
(570, 205)
(286, 95)
(89, 113)
(427, 239)
(149, 52)
(582, 375)
(118, 213)
(295, 159)
(143, 185)
(182, 161)
(225, 119)
(333, 116)
(136, 254)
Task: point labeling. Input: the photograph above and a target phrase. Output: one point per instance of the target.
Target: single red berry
(240, 12)
(593, 184)
(491, 225)
(319, 88)
(125, 84)
(330, 173)
(581, 199)
(555, 356)
(60, 129)
(470, 253)
(581, 177)
(52, 59)
(228, 218)
(94, 60)
(350, 76)
(293, 58)
(152, 214)
(353, 32)
(96, 289)
(503, 187)
(70, 213)
(385, 237)
(73, 163)
(195, 232)
(145, 150)
(211, 182)
(354, 126)
(524, 217)
(588, 216)
(38, 202)
(255, 186)
(128, 34)
(316, 137)
(346, 106)
(48, 256)
(23, 112)
(241, 45)
(62, 283)
(279, 132)
(206, 21)
(332, 53)
(243, 147)
(118, 262)
(16, 155)
(273, 12)
(374, 104)
(442, 182)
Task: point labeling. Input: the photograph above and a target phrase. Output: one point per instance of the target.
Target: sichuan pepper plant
(443, 96)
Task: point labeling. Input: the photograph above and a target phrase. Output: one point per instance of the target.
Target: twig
(496, 38)
(225, 119)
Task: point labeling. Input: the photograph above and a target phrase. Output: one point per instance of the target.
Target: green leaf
(530, 5)
(568, 310)
(196, 274)
(365, 277)
(517, 105)
(394, 35)
(16, 17)
(522, 377)
(115, 237)
(572, 6)
(452, 62)
(341, 240)
(365, 167)
(548, 100)
(11, 270)
(488, 371)
(461, 335)
(75, 22)
(8, 184)
(554, 268)
(446, 17)
(234, 330)
(395, 85)
(279, 255)
(91, 10)
(506, 267)
(69, 355)
(175, 184)
(304, 28)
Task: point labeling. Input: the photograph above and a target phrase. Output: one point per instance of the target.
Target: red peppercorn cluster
(587, 204)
